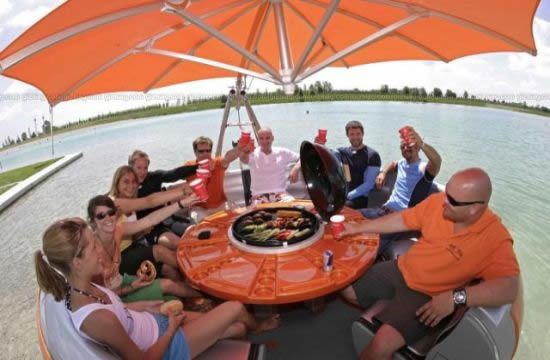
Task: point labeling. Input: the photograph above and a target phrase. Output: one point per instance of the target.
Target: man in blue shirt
(414, 176)
(361, 166)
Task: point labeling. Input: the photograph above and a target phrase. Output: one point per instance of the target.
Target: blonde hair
(61, 243)
(119, 173)
(137, 154)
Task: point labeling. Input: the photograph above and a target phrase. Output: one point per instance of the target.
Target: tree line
(317, 91)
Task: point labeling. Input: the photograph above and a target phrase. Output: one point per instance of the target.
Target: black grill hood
(324, 179)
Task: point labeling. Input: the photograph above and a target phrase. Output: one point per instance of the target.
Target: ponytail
(49, 280)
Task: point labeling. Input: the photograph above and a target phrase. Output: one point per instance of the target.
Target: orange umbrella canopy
(89, 47)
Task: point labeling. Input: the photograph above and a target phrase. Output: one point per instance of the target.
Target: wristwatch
(459, 297)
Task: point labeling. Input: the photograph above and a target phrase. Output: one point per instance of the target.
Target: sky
(508, 76)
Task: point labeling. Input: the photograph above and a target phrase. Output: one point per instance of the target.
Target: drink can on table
(327, 260)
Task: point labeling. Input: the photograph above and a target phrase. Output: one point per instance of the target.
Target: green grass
(9, 178)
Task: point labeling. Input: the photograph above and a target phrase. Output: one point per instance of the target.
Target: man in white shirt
(268, 165)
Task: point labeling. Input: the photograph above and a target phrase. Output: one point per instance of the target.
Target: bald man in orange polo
(462, 239)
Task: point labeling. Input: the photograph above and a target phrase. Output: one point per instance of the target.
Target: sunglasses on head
(204, 151)
(453, 202)
(103, 215)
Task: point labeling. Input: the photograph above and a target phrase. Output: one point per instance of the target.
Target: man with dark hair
(361, 165)
(462, 240)
(151, 182)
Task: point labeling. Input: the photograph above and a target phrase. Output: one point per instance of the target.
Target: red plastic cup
(322, 135)
(337, 225)
(204, 164)
(199, 187)
(245, 138)
(404, 133)
(203, 174)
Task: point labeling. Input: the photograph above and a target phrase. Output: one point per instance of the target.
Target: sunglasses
(103, 215)
(455, 203)
(204, 151)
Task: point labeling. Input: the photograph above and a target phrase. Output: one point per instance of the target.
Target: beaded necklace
(81, 292)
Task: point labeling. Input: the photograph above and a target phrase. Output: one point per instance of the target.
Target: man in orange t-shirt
(462, 240)
(202, 146)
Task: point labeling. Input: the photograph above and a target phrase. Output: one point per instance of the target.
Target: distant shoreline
(218, 102)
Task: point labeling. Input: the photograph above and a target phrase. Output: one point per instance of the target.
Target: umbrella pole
(51, 128)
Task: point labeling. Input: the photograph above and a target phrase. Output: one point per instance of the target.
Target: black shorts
(384, 281)
(133, 256)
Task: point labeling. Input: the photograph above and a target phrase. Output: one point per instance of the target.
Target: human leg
(170, 272)
(372, 286)
(164, 255)
(386, 341)
(205, 330)
(177, 288)
(169, 240)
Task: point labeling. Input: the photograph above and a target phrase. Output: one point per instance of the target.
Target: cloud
(5, 7)
(28, 17)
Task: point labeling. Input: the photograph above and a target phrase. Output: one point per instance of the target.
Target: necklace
(96, 298)
(68, 297)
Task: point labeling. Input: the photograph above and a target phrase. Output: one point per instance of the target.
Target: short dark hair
(354, 124)
(99, 200)
(202, 140)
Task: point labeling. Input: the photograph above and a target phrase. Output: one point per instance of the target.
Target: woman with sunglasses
(102, 217)
(70, 258)
(123, 192)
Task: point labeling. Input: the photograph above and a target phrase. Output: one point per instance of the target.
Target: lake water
(512, 147)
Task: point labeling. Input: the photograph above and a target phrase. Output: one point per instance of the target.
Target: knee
(234, 307)
(349, 295)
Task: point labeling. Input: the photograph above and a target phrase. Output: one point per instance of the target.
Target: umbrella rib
(245, 62)
(314, 37)
(311, 26)
(460, 21)
(213, 63)
(381, 26)
(42, 44)
(224, 39)
(360, 44)
(223, 26)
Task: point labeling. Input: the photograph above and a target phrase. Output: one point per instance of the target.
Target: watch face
(460, 297)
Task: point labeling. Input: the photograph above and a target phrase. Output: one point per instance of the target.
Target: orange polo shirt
(216, 196)
(442, 260)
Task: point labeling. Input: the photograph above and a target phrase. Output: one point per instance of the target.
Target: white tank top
(140, 326)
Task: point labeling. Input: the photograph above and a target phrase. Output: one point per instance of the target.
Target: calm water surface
(512, 147)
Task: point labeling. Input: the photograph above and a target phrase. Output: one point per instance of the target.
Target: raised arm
(434, 159)
(232, 155)
(151, 201)
(179, 173)
(157, 216)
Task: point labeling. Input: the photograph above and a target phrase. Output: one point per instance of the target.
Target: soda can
(327, 260)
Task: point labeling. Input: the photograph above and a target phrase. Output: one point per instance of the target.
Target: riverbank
(12, 177)
(280, 98)
(29, 177)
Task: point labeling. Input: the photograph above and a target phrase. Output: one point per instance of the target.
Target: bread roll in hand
(171, 307)
(147, 271)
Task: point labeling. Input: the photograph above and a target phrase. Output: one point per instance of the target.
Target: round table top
(218, 268)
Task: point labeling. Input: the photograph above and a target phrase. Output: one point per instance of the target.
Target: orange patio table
(220, 268)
